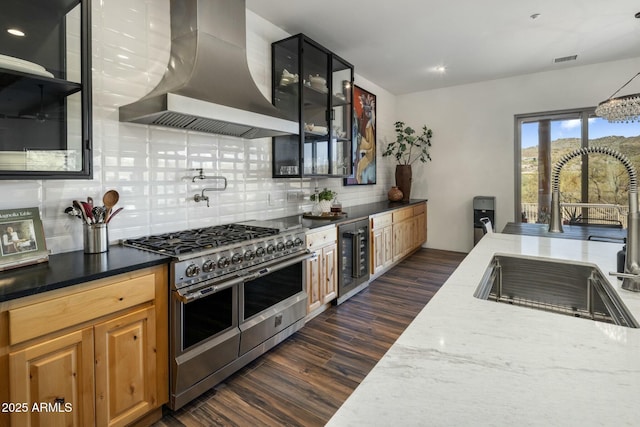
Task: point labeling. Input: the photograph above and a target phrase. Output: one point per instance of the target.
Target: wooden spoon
(109, 200)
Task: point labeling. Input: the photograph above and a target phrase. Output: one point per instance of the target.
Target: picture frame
(22, 239)
(364, 138)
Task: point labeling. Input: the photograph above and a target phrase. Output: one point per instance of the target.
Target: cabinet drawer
(402, 214)
(39, 319)
(421, 208)
(321, 238)
(379, 221)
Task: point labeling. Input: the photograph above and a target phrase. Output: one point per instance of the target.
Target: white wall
(473, 143)
(147, 165)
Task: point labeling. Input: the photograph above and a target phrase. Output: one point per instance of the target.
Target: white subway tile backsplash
(151, 167)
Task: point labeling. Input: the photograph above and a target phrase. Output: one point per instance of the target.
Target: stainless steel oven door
(273, 299)
(204, 334)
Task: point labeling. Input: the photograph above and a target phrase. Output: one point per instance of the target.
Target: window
(593, 188)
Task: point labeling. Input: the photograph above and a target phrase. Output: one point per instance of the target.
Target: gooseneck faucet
(631, 275)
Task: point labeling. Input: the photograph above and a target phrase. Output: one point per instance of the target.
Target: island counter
(470, 362)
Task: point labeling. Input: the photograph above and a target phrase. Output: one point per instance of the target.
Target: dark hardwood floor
(304, 380)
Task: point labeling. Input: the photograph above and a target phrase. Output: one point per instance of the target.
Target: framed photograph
(364, 138)
(22, 238)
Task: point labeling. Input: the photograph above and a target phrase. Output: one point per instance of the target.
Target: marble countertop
(470, 362)
(580, 232)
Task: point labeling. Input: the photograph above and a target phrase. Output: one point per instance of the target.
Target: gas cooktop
(199, 239)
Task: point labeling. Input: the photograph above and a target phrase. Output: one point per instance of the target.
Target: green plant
(408, 143)
(325, 194)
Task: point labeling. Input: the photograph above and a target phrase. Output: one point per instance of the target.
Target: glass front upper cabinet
(45, 89)
(313, 86)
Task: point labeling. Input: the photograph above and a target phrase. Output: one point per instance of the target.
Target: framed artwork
(22, 238)
(364, 138)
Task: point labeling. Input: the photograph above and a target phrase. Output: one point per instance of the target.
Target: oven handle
(206, 290)
(279, 265)
(242, 278)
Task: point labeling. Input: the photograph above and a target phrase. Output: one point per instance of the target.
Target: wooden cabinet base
(125, 368)
(107, 370)
(54, 380)
(321, 271)
(395, 235)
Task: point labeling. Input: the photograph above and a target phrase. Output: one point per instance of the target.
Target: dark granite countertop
(354, 213)
(577, 232)
(72, 268)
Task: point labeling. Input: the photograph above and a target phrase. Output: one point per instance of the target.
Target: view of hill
(608, 180)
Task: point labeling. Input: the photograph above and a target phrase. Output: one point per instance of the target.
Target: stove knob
(208, 266)
(192, 270)
(271, 249)
(280, 246)
(249, 255)
(298, 242)
(223, 262)
(260, 251)
(289, 244)
(236, 258)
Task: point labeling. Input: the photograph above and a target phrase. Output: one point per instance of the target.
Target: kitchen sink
(577, 290)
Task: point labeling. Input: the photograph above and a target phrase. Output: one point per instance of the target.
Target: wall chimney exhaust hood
(207, 86)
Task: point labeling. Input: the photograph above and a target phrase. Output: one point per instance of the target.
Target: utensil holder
(96, 238)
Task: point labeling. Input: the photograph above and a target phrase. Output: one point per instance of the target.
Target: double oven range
(237, 290)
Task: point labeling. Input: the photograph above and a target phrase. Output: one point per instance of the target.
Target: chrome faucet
(631, 275)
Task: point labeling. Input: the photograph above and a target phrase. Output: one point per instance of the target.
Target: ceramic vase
(403, 181)
(395, 194)
(325, 206)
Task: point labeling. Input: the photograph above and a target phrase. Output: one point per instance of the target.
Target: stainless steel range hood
(207, 86)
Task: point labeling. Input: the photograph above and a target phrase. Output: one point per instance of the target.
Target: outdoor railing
(596, 213)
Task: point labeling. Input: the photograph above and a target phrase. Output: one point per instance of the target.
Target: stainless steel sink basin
(561, 287)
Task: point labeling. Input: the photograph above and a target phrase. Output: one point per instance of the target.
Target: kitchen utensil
(87, 210)
(98, 214)
(83, 213)
(113, 214)
(109, 200)
(73, 212)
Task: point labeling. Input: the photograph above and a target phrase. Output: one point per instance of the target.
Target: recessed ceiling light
(15, 32)
(440, 69)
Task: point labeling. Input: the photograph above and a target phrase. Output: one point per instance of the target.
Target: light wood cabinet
(382, 242)
(396, 234)
(59, 372)
(420, 225)
(329, 271)
(403, 225)
(125, 368)
(97, 354)
(321, 271)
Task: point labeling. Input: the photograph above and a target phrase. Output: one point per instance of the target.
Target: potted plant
(323, 199)
(408, 147)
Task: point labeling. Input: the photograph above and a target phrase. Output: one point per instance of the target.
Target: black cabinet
(45, 89)
(313, 86)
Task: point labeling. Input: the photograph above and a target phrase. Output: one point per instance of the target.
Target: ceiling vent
(565, 59)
